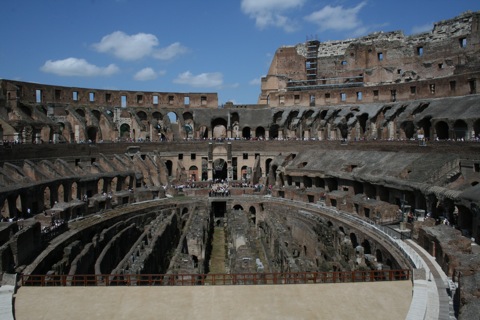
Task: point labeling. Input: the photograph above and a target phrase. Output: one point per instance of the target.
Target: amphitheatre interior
(355, 151)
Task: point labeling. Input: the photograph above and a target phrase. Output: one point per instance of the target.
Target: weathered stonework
(113, 182)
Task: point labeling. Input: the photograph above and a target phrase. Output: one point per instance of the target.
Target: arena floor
(376, 300)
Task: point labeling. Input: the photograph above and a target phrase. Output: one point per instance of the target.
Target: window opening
(38, 96)
(420, 51)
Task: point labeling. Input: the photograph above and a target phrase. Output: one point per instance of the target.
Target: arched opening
(157, 116)
(366, 247)
(5, 210)
(142, 115)
(238, 207)
(96, 114)
(169, 166)
(115, 185)
(219, 169)
(353, 239)
(74, 192)
(101, 185)
(26, 110)
(409, 129)
(244, 173)
(441, 128)
(219, 127)
(18, 207)
(80, 112)
(362, 121)
(203, 132)
(426, 125)
(47, 201)
(193, 173)
(124, 131)
(267, 166)
(460, 129)
(260, 133)
(476, 129)
(92, 134)
(204, 169)
(378, 255)
(172, 116)
(273, 132)
(246, 133)
(253, 214)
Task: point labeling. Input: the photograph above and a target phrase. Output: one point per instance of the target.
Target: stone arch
(260, 132)
(5, 211)
(193, 173)
(267, 166)
(61, 193)
(246, 133)
(219, 169)
(157, 115)
(18, 206)
(188, 125)
(353, 239)
(142, 115)
(366, 247)
(203, 132)
(114, 184)
(273, 131)
(96, 114)
(244, 172)
(169, 165)
(442, 129)
(74, 193)
(80, 112)
(172, 116)
(219, 128)
(426, 126)
(124, 131)
(252, 214)
(26, 110)
(460, 129)
(362, 121)
(101, 187)
(408, 129)
(238, 207)
(46, 134)
(476, 129)
(92, 133)
(47, 198)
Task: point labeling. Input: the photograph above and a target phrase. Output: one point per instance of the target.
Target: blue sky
(187, 45)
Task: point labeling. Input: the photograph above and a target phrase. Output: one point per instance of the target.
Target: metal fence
(214, 279)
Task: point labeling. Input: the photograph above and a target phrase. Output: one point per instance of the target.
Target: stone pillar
(306, 135)
(77, 133)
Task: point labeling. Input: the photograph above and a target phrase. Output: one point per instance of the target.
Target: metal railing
(215, 279)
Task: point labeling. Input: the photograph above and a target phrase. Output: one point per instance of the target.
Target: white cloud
(137, 46)
(423, 28)
(145, 74)
(255, 82)
(203, 80)
(271, 12)
(77, 67)
(337, 18)
(127, 47)
(170, 52)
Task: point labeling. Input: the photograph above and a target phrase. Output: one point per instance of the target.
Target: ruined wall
(379, 67)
